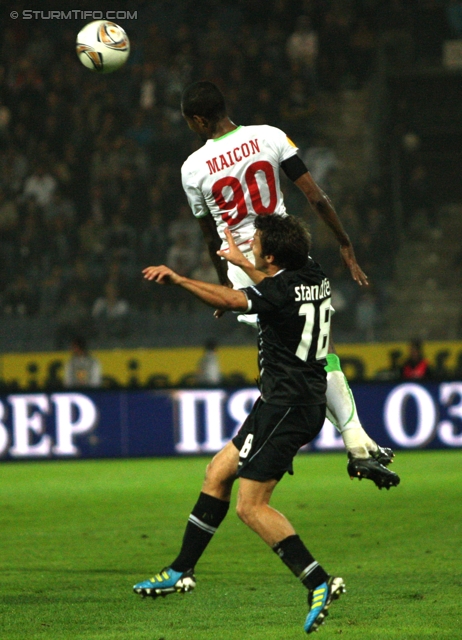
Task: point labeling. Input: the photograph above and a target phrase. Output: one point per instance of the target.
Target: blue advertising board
(111, 424)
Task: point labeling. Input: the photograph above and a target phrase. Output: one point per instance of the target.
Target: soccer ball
(102, 46)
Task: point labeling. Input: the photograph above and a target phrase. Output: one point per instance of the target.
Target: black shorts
(271, 436)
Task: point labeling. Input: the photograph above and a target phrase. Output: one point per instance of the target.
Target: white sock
(341, 411)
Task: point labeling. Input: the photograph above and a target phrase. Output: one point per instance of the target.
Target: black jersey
(294, 311)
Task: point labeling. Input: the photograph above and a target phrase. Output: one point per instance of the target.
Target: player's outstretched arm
(322, 205)
(215, 295)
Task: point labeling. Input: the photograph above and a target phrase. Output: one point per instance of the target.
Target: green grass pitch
(75, 536)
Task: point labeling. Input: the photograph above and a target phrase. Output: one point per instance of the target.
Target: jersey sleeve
(270, 294)
(282, 144)
(193, 193)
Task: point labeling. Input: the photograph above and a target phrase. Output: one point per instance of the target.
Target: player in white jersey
(233, 178)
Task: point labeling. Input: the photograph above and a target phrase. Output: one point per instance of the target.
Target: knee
(217, 483)
(212, 478)
(246, 512)
(214, 474)
(209, 470)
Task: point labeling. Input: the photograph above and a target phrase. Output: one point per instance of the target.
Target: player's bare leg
(221, 473)
(254, 510)
(273, 528)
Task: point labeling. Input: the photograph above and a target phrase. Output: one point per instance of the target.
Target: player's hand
(349, 259)
(233, 254)
(161, 275)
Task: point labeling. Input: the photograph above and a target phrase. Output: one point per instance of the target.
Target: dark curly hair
(286, 238)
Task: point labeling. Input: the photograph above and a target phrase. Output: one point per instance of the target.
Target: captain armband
(294, 167)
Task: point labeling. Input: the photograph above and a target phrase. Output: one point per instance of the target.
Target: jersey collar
(230, 133)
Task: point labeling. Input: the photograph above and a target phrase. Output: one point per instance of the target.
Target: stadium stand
(90, 186)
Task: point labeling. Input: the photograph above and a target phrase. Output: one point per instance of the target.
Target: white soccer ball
(102, 46)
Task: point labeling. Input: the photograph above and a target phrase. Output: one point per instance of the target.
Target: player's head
(285, 239)
(203, 105)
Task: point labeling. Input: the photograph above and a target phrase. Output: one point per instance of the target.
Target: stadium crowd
(90, 187)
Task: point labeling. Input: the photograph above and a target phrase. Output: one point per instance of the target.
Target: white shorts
(237, 276)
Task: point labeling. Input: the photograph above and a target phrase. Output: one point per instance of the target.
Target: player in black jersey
(291, 296)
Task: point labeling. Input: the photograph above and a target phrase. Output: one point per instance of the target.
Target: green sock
(333, 363)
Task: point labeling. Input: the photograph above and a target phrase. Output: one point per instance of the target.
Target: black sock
(205, 518)
(296, 556)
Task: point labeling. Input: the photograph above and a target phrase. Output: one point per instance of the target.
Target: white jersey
(236, 177)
